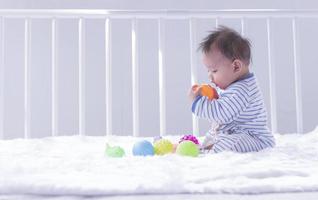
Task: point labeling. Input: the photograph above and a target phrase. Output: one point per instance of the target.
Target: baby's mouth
(213, 84)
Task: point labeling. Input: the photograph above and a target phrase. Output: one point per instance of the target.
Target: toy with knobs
(206, 90)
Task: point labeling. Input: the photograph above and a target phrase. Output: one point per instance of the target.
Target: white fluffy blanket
(77, 165)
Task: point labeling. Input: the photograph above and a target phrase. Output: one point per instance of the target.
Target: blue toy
(143, 148)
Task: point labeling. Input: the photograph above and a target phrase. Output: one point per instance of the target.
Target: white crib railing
(134, 16)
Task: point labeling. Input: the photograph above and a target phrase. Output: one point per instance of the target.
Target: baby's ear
(237, 65)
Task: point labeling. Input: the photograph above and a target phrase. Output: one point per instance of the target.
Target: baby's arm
(222, 110)
(194, 92)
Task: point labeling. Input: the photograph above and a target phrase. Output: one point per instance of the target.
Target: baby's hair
(229, 42)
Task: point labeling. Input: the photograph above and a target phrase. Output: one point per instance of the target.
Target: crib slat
(297, 72)
(81, 61)
(194, 74)
(156, 14)
(54, 93)
(272, 79)
(2, 78)
(135, 77)
(108, 80)
(27, 73)
(162, 79)
(216, 22)
(242, 26)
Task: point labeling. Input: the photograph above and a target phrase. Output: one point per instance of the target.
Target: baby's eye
(214, 71)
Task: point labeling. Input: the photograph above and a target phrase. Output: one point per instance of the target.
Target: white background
(177, 67)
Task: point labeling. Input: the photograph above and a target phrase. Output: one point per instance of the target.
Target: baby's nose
(211, 77)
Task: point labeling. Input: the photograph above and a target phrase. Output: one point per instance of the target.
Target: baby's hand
(194, 92)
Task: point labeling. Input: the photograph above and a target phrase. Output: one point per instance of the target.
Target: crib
(79, 77)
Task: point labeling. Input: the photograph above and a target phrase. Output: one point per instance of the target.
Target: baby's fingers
(195, 87)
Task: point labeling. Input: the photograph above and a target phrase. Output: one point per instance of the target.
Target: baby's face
(220, 68)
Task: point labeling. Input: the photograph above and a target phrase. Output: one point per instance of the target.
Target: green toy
(188, 148)
(115, 152)
(163, 146)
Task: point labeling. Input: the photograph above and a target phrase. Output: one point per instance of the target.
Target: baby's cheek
(218, 82)
(215, 79)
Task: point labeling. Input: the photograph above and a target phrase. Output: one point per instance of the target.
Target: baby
(238, 117)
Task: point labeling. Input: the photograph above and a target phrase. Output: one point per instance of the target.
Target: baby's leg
(238, 142)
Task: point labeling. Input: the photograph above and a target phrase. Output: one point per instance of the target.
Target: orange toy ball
(209, 91)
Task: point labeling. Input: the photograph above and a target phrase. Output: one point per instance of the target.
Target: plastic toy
(191, 138)
(208, 91)
(163, 146)
(156, 138)
(188, 148)
(115, 152)
(143, 148)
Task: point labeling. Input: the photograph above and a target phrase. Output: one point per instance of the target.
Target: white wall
(177, 68)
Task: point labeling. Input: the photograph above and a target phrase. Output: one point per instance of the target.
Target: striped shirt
(239, 109)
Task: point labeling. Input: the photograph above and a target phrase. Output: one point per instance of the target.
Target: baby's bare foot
(209, 147)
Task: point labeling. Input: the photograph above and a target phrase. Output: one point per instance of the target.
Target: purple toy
(191, 138)
(156, 138)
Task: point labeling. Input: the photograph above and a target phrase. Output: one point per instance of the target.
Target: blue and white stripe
(238, 117)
